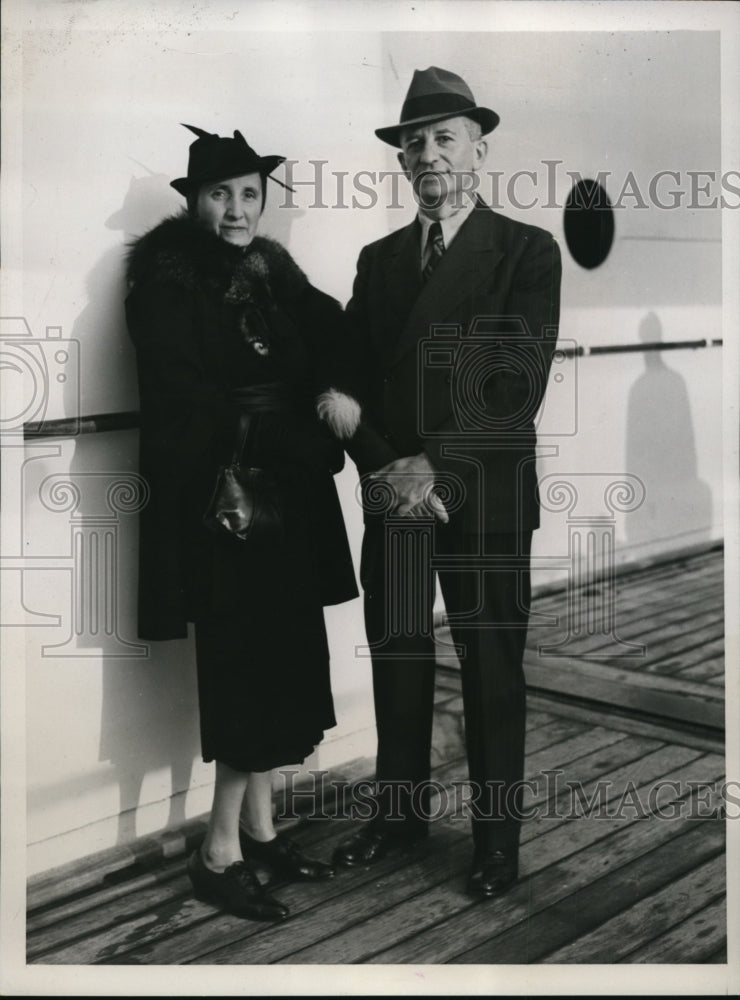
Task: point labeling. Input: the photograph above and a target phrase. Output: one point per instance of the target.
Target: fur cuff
(341, 412)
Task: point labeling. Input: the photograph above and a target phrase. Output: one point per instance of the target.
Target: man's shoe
(284, 857)
(236, 889)
(492, 873)
(371, 845)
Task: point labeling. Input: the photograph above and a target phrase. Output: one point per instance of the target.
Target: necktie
(436, 246)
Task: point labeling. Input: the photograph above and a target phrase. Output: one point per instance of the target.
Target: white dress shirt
(450, 227)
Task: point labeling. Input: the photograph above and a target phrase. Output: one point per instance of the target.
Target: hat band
(432, 104)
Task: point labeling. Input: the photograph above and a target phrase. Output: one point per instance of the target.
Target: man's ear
(480, 153)
(402, 160)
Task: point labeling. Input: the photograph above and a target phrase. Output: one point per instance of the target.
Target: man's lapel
(470, 259)
(403, 273)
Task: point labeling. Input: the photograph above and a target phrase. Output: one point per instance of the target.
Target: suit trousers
(486, 590)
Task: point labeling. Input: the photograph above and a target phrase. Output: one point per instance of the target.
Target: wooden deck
(674, 610)
(623, 884)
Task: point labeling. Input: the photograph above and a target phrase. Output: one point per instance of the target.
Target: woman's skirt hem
(261, 764)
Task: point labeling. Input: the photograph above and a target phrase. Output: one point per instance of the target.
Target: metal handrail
(129, 420)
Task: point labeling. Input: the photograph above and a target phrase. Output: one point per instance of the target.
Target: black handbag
(245, 503)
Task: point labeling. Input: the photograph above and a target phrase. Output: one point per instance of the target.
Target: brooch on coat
(258, 346)
(253, 329)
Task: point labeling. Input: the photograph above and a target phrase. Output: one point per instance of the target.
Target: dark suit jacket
(458, 367)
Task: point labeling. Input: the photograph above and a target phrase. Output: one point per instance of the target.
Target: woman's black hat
(436, 94)
(213, 158)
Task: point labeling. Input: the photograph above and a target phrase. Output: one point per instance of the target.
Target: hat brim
(265, 166)
(486, 118)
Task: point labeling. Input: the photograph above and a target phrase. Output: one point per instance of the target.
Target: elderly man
(455, 318)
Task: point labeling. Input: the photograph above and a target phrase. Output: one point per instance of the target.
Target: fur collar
(181, 251)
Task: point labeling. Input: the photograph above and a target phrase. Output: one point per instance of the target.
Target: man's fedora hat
(436, 94)
(213, 158)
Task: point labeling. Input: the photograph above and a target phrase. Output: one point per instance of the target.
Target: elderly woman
(226, 324)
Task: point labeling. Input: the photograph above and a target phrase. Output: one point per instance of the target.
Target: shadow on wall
(100, 328)
(661, 450)
(149, 722)
(149, 715)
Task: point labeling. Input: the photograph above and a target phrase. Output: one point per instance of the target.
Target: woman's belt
(266, 397)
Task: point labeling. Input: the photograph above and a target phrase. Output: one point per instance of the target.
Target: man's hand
(412, 479)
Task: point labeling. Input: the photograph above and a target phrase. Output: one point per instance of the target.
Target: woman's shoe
(236, 889)
(284, 856)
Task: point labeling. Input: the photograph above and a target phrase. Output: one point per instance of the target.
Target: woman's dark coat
(197, 308)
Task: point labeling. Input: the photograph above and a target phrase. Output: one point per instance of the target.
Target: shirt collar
(450, 225)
